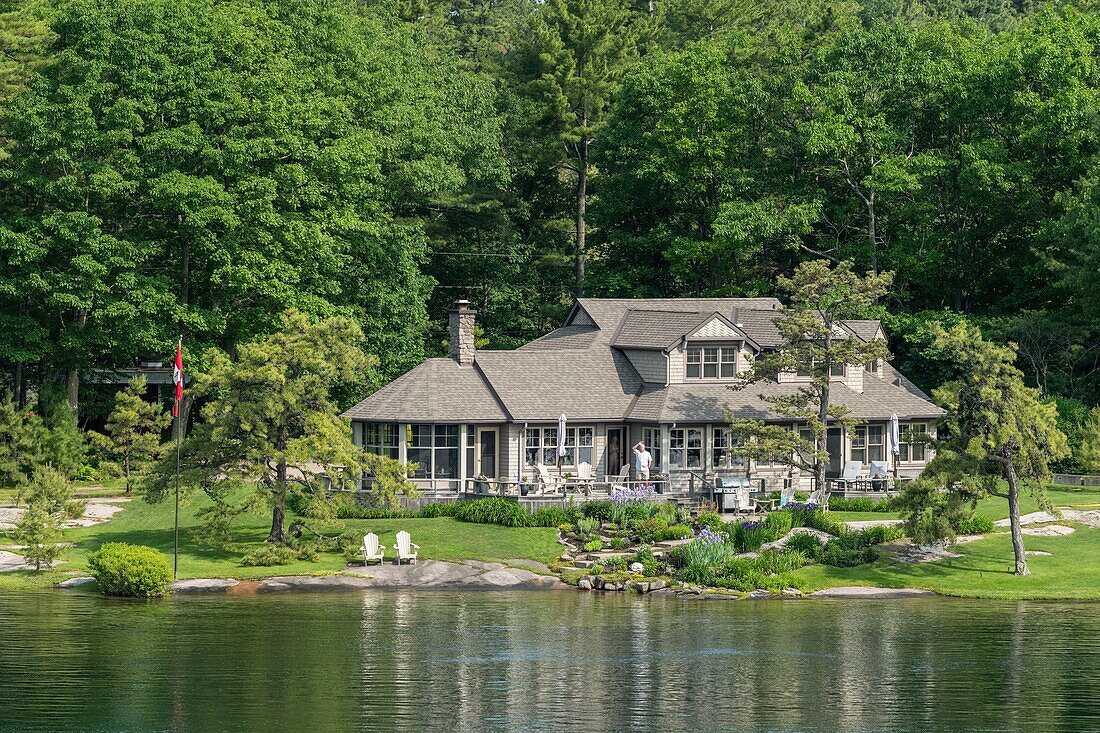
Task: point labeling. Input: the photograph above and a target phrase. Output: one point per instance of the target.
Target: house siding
(716, 329)
(676, 365)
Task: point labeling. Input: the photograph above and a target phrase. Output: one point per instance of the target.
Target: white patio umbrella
(895, 440)
(561, 440)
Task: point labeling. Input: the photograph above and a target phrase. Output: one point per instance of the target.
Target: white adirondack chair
(406, 550)
(547, 480)
(786, 496)
(620, 481)
(819, 498)
(372, 550)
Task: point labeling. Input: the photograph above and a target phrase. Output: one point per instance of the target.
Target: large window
(724, 440)
(434, 450)
(711, 362)
(541, 446)
(652, 439)
(380, 438)
(835, 370)
(911, 442)
(685, 448)
(869, 443)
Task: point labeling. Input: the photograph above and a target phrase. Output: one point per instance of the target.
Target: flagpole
(176, 527)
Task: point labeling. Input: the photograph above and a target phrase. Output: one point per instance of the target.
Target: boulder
(77, 582)
(585, 583)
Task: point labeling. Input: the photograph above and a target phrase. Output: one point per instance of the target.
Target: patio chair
(585, 478)
(819, 497)
(850, 475)
(621, 481)
(372, 550)
(548, 481)
(406, 550)
(786, 496)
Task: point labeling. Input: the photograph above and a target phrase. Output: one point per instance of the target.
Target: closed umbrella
(561, 439)
(895, 440)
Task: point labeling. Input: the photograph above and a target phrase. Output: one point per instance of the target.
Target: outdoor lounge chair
(620, 482)
(406, 550)
(786, 496)
(819, 498)
(548, 481)
(585, 478)
(850, 474)
(372, 550)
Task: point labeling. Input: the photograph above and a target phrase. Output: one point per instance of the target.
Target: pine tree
(20, 442)
(1089, 453)
(63, 445)
(133, 430)
(49, 503)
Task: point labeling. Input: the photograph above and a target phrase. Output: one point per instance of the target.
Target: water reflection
(542, 661)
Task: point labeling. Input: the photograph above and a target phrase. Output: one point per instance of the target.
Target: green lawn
(140, 523)
(985, 570)
(996, 508)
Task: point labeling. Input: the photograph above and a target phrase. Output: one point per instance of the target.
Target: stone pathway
(1088, 517)
(96, 512)
(10, 561)
(1048, 530)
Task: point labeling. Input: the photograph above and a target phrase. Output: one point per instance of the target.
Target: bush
(552, 516)
(494, 510)
(122, 569)
(808, 515)
(677, 532)
(434, 510)
(599, 509)
(588, 526)
(632, 513)
(779, 524)
(750, 535)
(645, 556)
(837, 554)
(651, 530)
(974, 524)
(710, 520)
(866, 504)
(807, 544)
(593, 546)
(268, 554)
(878, 535)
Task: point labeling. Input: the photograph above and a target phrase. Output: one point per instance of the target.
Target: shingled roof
(579, 370)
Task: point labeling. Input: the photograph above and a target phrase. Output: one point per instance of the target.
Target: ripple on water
(385, 661)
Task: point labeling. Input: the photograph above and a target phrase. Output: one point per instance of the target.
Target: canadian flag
(177, 377)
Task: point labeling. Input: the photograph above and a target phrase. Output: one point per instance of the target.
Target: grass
(996, 508)
(985, 570)
(143, 524)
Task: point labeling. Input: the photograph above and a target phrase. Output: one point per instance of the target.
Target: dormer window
(711, 361)
(872, 367)
(835, 370)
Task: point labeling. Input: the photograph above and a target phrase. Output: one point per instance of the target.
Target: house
(622, 370)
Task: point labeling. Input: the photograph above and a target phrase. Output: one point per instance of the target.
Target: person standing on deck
(643, 459)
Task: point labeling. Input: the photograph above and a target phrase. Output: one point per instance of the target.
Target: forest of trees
(201, 166)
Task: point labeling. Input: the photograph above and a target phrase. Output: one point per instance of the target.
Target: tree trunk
(72, 388)
(823, 410)
(126, 470)
(1014, 520)
(582, 194)
(871, 233)
(278, 511)
(17, 385)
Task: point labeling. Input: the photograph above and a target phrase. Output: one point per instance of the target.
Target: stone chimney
(462, 332)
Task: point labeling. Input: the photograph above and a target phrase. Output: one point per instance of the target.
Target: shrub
(808, 515)
(599, 509)
(619, 543)
(268, 554)
(677, 532)
(750, 535)
(552, 516)
(122, 569)
(593, 545)
(778, 524)
(433, 510)
(588, 526)
(837, 554)
(774, 562)
(645, 556)
(631, 513)
(880, 534)
(807, 544)
(494, 510)
(974, 524)
(651, 530)
(710, 520)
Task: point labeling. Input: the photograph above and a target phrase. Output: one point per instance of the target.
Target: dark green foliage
(677, 532)
(494, 510)
(815, 518)
(749, 536)
(778, 524)
(122, 569)
(645, 556)
(864, 504)
(807, 544)
(650, 530)
(556, 516)
(598, 509)
(974, 524)
(269, 554)
(710, 520)
(839, 556)
(438, 509)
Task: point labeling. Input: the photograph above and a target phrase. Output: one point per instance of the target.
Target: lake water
(543, 661)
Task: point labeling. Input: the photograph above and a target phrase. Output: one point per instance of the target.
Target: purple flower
(634, 495)
(751, 525)
(708, 536)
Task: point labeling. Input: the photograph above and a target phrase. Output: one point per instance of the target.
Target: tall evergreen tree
(133, 430)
